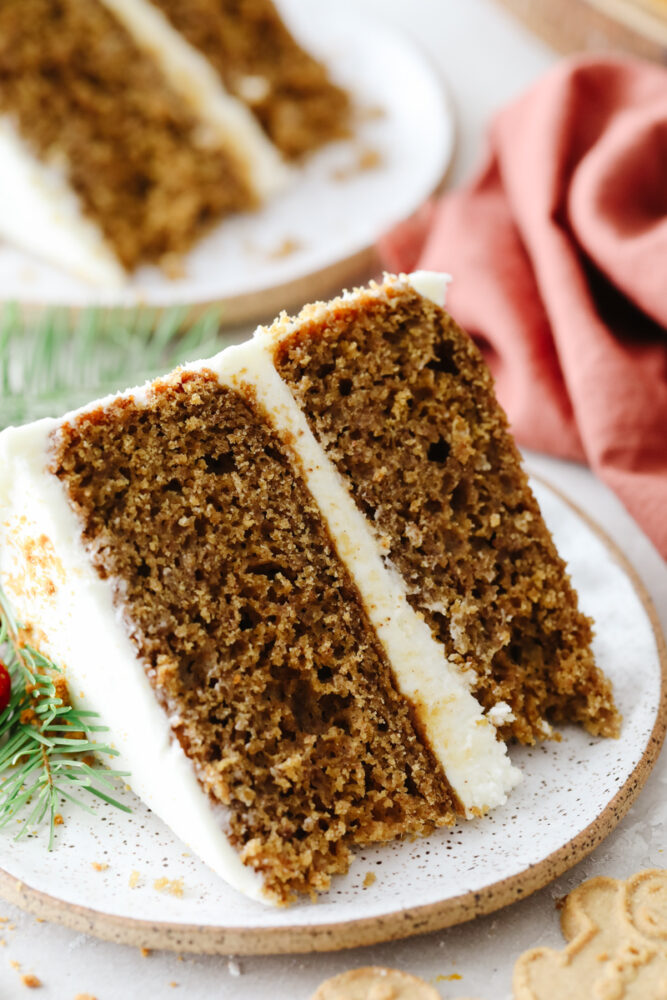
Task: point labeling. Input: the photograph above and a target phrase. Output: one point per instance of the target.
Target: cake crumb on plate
(173, 886)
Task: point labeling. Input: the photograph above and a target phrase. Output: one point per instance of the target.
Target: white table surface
(487, 59)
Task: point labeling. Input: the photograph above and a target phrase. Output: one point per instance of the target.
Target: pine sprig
(44, 741)
(59, 360)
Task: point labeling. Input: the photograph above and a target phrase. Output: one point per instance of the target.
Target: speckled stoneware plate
(318, 234)
(120, 876)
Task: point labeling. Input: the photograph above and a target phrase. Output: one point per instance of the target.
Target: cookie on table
(617, 944)
(375, 983)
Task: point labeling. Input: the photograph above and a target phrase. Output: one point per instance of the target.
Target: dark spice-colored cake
(316, 572)
(84, 94)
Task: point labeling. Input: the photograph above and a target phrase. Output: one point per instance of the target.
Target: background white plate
(330, 223)
(572, 795)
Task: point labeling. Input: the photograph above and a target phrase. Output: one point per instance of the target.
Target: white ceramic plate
(572, 795)
(333, 211)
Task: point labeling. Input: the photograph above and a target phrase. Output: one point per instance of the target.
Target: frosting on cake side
(52, 585)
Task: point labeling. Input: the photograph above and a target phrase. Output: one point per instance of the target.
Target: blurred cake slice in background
(119, 142)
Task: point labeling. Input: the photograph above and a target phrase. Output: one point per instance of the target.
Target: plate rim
(401, 923)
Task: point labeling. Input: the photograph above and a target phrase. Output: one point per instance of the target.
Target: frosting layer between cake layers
(47, 574)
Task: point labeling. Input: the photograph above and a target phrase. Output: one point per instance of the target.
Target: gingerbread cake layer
(261, 63)
(90, 102)
(250, 629)
(402, 403)
(314, 568)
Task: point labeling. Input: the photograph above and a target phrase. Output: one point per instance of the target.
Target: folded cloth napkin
(558, 248)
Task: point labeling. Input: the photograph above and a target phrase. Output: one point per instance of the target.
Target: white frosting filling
(431, 284)
(41, 214)
(192, 76)
(59, 591)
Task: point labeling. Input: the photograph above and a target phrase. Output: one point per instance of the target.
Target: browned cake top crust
(298, 106)
(86, 97)
(251, 631)
(403, 404)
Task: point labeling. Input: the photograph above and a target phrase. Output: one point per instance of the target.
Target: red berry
(5, 687)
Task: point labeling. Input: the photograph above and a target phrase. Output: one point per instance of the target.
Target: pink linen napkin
(558, 248)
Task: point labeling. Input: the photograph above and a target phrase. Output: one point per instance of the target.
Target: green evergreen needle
(38, 765)
(61, 359)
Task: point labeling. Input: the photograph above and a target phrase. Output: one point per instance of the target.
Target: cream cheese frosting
(62, 595)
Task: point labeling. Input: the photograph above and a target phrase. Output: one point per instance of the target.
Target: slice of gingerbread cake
(315, 572)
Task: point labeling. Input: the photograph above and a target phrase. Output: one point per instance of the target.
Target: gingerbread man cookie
(375, 983)
(617, 945)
